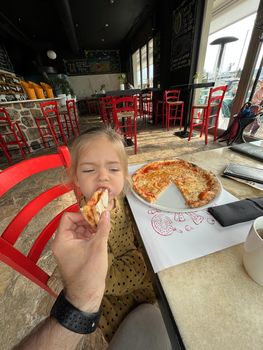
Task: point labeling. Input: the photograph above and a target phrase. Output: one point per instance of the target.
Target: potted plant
(122, 79)
(62, 88)
(102, 88)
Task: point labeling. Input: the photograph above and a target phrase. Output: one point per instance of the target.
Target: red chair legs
(11, 135)
(5, 150)
(46, 132)
(198, 120)
(174, 112)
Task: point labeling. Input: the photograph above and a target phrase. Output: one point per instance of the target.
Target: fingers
(70, 223)
(69, 219)
(104, 225)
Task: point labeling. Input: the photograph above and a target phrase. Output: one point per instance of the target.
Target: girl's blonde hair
(83, 141)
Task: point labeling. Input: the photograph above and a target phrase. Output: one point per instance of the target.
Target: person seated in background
(128, 86)
(257, 100)
(245, 117)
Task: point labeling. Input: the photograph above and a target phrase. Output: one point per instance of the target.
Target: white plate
(172, 200)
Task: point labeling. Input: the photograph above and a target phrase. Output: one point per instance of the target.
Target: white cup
(253, 251)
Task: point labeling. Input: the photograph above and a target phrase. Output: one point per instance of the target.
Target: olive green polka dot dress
(128, 282)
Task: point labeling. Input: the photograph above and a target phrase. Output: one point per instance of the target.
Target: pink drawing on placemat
(179, 217)
(162, 224)
(196, 218)
(210, 221)
(153, 211)
(188, 228)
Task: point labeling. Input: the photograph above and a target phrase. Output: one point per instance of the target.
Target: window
(142, 62)
(224, 61)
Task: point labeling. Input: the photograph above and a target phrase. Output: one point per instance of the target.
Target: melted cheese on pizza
(197, 185)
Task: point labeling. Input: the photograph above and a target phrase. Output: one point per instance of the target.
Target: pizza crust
(95, 206)
(198, 186)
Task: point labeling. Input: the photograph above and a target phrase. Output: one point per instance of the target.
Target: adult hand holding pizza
(83, 263)
(82, 259)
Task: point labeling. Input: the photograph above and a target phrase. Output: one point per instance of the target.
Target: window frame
(140, 86)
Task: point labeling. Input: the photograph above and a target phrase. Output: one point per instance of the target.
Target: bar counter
(24, 112)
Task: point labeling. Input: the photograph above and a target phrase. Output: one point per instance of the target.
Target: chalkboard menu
(95, 62)
(156, 58)
(5, 63)
(77, 66)
(183, 22)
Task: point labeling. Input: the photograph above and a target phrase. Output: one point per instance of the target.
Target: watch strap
(72, 318)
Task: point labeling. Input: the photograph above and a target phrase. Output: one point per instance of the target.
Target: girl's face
(99, 167)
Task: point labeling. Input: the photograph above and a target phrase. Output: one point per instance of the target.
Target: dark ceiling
(67, 26)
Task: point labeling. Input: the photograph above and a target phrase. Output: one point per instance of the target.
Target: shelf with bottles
(10, 87)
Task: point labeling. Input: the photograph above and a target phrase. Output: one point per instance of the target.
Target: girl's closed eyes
(90, 170)
(87, 170)
(115, 169)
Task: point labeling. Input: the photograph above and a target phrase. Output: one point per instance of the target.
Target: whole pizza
(198, 186)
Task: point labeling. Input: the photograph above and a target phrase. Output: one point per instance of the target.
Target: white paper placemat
(172, 238)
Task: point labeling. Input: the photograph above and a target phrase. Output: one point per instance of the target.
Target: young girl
(99, 160)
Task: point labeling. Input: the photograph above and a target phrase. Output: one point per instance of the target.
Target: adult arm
(49, 334)
(82, 259)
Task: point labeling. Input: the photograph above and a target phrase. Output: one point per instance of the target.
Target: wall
(24, 113)
(180, 29)
(85, 85)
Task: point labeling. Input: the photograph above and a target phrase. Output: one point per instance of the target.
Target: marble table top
(215, 304)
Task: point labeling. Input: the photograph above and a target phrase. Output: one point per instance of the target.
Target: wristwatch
(72, 318)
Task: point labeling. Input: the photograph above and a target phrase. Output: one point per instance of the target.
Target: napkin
(244, 172)
(237, 212)
(249, 150)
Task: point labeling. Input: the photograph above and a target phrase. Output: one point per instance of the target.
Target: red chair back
(73, 118)
(201, 115)
(215, 100)
(26, 264)
(11, 134)
(50, 112)
(105, 109)
(146, 105)
(172, 108)
(124, 113)
(171, 95)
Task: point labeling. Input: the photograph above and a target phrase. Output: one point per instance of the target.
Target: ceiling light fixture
(102, 39)
(51, 54)
(106, 25)
(111, 1)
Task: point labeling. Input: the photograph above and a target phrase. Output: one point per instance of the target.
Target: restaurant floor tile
(20, 299)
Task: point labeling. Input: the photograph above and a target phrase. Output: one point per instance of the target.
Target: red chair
(124, 113)
(202, 115)
(172, 108)
(105, 110)
(92, 106)
(51, 126)
(71, 118)
(4, 148)
(11, 135)
(26, 263)
(146, 106)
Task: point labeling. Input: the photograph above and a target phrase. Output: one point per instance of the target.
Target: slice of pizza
(95, 206)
